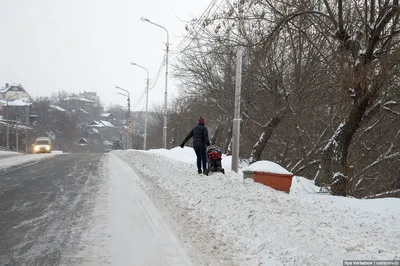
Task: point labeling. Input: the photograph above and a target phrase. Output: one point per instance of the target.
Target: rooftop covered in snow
(58, 108)
(19, 102)
(106, 115)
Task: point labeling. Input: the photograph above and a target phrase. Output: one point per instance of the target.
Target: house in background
(72, 103)
(18, 110)
(107, 117)
(96, 109)
(14, 92)
(15, 103)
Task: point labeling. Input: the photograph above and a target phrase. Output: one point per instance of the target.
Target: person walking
(200, 143)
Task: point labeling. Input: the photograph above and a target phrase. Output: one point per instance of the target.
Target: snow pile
(8, 153)
(24, 159)
(262, 226)
(267, 167)
(187, 155)
(182, 155)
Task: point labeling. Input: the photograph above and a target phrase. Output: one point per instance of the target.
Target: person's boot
(199, 171)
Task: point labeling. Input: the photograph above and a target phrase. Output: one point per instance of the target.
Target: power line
(197, 27)
(158, 73)
(194, 26)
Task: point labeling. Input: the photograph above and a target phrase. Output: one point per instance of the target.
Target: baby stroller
(214, 158)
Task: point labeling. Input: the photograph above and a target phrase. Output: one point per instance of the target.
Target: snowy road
(81, 209)
(43, 208)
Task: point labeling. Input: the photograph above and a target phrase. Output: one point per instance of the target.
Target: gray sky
(77, 45)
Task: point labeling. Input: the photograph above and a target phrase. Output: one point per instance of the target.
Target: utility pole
(26, 139)
(16, 130)
(129, 122)
(146, 115)
(166, 80)
(238, 87)
(147, 103)
(8, 122)
(8, 129)
(165, 94)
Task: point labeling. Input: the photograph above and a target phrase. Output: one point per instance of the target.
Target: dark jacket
(200, 137)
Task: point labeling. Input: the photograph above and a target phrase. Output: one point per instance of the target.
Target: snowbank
(187, 155)
(266, 167)
(9, 153)
(261, 226)
(25, 159)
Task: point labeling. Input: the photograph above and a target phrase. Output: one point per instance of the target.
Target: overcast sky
(77, 45)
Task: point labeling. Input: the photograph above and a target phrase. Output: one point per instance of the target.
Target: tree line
(320, 88)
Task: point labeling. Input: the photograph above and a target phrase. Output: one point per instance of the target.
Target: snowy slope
(261, 226)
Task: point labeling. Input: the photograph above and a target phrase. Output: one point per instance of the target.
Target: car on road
(42, 145)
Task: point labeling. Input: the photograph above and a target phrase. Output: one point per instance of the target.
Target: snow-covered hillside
(251, 224)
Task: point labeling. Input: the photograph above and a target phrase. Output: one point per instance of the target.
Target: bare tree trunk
(333, 168)
(217, 131)
(264, 138)
(228, 141)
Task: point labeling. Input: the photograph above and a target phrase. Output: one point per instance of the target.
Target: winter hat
(201, 120)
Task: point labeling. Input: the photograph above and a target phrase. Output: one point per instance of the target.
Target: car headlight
(36, 148)
(48, 148)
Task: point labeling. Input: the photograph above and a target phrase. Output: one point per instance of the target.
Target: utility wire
(196, 27)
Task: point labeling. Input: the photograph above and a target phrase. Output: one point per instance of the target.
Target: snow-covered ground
(22, 159)
(251, 224)
(8, 153)
(127, 229)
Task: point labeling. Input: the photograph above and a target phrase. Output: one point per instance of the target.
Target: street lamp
(147, 102)
(129, 112)
(166, 80)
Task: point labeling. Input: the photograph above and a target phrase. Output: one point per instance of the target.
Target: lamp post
(166, 80)
(238, 88)
(123, 132)
(129, 113)
(147, 102)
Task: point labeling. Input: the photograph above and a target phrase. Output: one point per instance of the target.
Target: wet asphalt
(45, 207)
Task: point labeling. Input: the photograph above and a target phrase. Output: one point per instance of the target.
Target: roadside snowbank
(9, 153)
(187, 155)
(267, 227)
(20, 159)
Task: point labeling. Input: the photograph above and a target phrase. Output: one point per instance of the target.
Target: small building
(14, 92)
(17, 110)
(107, 117)
(82, 142)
